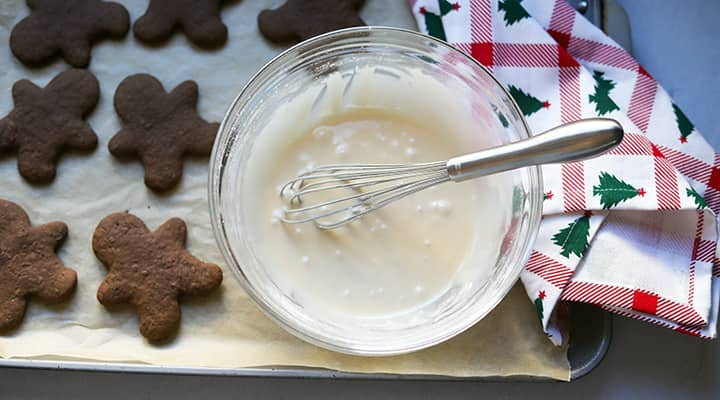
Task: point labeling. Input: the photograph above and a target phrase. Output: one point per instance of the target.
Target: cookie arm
(199, 277)
(273, 30)
(57, 285)
(173, 230)
(7, 134)
(203, 139)
(115, 19)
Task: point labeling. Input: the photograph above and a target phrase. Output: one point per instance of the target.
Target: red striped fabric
(642, 101)
(550, 270)
(597, 293)
(634, 315)
(601, 53)
(563, 17)
(573, 184)
(610, 295)
(570, 104)
(687, 165)
(526, 55)
(633, 145)
(481, 21)
(666, 185)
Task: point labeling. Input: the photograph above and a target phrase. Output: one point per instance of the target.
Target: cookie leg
(77, 53)
(159, 318)
(37, 164)
(83, 137)
(12, 311)
(162, 172)
(207, 32)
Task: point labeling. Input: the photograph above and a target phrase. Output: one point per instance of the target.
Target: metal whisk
(334, 195)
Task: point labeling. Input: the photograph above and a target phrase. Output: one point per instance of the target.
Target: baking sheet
(224, 330)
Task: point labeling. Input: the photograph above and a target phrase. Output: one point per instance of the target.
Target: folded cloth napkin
(633, 231)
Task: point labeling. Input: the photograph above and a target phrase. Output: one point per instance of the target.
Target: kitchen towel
(633, 231)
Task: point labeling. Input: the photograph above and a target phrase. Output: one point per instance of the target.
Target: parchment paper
(225, 329)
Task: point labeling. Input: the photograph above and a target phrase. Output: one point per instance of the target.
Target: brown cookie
(150, 270)
(66, 28)
(46, 121)
(160, 128)
(302, 19)
(29, 265)
(200, 20)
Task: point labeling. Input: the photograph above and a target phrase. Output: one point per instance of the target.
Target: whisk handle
(574, 141)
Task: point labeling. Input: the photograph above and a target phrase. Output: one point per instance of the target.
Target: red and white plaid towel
(634, 231)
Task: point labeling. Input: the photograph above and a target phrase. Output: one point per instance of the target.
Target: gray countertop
(677, 42)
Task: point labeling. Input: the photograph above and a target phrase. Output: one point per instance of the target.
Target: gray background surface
(677, 42)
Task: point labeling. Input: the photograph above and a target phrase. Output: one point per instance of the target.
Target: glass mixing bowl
(390, 51)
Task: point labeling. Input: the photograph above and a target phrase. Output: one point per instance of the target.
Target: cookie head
(48, 121)
(298, 20)
(66, 29)
(29, 266)
(150, 270)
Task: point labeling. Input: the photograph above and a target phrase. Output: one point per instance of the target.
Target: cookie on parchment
(160, 128)
(198, 19)
(150, 270)
(47, 121)
(29, 266)
(66, 28)
(298, 20)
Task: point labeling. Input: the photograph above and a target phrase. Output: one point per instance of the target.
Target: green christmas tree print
(528, 104)
(686, 127)
(573, 239)
(603, 103)
(514, 11)
(433, 22)
(539, 305)
(613, 191)
(699, 201)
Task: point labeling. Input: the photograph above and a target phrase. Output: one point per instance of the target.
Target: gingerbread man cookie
(66, 28)
(46, 121)
(302, 19)
(29, 265)
(150, 270)
(160, 128)
(200, 20)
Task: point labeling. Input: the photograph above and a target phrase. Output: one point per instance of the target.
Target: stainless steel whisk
(357, 189)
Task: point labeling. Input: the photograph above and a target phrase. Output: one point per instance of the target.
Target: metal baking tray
(590, 335)
(590, 327)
